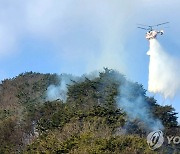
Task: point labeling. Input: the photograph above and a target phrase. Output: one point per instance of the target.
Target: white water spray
(164, 72)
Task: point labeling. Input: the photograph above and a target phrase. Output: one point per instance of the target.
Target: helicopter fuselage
(152, 34)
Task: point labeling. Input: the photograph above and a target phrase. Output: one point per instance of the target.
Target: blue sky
(80, 36)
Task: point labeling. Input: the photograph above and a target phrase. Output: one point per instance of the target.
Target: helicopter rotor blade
(160, 24)
(142, 28)
(144, 25)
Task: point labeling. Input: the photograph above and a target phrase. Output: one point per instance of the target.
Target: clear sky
(80, 36)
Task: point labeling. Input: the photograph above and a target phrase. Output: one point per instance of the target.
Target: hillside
(95, 118)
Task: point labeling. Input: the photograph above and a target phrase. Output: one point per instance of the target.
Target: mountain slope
(90, 121)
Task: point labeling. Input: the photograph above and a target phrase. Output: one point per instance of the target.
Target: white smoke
(164, 72)
(132, 100)
(131, 97)
(59, 91)
(55, 92)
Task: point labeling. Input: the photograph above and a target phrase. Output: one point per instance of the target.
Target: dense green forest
(89, 121)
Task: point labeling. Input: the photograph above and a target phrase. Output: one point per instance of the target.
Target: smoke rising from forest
(59, 91)
(130, 97)
(132, 100)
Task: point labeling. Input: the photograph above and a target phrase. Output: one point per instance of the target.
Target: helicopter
(152, 33)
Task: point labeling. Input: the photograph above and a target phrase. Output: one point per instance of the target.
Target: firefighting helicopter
(152, 33)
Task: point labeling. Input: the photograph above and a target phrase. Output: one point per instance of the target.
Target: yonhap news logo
(155, 139)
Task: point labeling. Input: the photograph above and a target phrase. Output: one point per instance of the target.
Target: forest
(93, 119)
